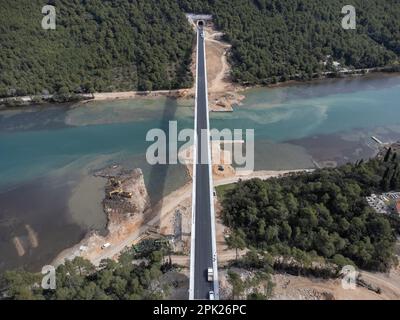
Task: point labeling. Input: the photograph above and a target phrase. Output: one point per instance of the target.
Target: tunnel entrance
(200, 23)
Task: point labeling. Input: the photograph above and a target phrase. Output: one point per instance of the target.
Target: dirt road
(160, 214)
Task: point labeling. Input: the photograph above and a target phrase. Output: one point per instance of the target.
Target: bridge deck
(204, 251)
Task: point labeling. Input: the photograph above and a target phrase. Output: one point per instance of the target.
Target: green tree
(236, 240)
(236, 283)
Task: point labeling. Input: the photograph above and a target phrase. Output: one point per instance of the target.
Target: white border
(193, 232)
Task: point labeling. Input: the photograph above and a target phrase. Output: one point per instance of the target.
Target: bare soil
(223, 93)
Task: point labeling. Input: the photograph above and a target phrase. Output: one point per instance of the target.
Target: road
(204, 227)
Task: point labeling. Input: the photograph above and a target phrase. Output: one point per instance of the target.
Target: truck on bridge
(210, 275)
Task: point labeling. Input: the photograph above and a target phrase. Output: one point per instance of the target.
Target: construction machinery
(115, 182)
(121, 193)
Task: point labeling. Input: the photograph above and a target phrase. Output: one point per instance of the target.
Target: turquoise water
(35, 143)
(71, 138)
(48, 156)
(46, 153)
(325, 107)
(331, 120)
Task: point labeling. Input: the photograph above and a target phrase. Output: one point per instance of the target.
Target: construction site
(132, 219)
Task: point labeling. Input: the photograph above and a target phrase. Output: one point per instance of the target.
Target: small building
(378, 204)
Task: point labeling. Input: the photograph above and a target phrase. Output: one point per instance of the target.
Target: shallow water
(328, 120)
(48, 154)
(51, 153)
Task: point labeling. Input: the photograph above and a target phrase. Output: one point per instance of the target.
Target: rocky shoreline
(125, 203)
(125, 194)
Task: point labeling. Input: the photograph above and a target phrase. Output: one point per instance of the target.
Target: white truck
(211, 295)
(210, 275)
(106, 245)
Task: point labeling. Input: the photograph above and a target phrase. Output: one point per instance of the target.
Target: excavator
(118, 189)
(120, 192)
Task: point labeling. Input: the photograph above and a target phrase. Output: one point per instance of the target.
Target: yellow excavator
(118, 189)
(126, 194)
(120, 192)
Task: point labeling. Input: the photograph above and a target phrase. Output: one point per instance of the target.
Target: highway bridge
(203, 246)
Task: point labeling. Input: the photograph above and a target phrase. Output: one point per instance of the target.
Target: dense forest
(111, 45)
(274, 40)
(98, 45)
(112, 280)
(324, 213)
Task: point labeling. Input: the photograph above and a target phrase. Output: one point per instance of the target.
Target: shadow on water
(159, 173)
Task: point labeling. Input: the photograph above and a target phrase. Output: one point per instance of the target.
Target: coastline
(188, 93)
(222, 89)
(168, 214)
(224, 93)
(128, 95)
(324, 79)
(295, 83)
(221, 101)
(150, 221)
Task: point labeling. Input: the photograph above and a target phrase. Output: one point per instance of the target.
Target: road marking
(213, 233)
(193, 233)
(211, 188)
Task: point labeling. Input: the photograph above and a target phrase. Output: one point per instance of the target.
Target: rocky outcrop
(125, 194)
(125, 203)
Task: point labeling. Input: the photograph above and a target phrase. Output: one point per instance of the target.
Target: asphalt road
(203, 237)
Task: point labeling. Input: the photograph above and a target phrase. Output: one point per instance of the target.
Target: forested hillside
(277, 39)
(81, 280)
(111, 45)
(99, 45)
(323, 212)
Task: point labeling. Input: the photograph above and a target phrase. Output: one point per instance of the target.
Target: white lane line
(193, 232)
(213, 233)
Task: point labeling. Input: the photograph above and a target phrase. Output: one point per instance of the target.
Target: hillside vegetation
(97, 46)
(279, 39)
(114, 45)
(324, 213)
(112, 280)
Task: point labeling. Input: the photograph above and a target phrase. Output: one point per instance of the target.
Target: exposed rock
(125, 203)
(125, 193)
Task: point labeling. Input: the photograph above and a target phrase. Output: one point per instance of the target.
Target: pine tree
(387, 156)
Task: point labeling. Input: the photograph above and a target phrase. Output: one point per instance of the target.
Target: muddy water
(47, 158)
(48, 154)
